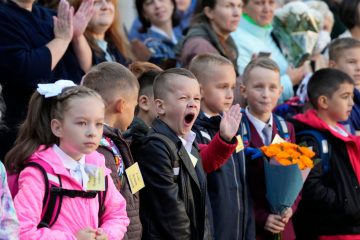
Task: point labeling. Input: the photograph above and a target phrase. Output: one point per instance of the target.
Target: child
(344, 54)
(9, 224)
(330, 204)
(63, 129)
(262, 89)
(174, 201)
(227, 187)
(119, 88)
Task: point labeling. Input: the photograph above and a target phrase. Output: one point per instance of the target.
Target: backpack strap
(51, 203)
(320, 145)
(282, 127)
(101, 198)
(245, 129)
(172, 148)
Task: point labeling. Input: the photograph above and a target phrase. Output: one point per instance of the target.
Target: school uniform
(75, 213)
(257, 176)
(228, 190)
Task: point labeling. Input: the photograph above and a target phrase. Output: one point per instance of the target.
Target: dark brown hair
(145, 23)
(36, 130)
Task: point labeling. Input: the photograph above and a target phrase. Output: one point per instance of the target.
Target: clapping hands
(67, 25)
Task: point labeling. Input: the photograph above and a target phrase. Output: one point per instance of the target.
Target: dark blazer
(258, 188)
(232, 212)
(171, 208)
(134, 230)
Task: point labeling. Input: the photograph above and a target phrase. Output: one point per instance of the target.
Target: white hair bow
(54, 89)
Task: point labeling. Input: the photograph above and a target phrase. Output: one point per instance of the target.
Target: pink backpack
(54, 193)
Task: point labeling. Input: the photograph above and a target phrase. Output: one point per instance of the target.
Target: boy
(262, 89)
(344, 55)
(174, 201)
(330, 204)
(146, 108)
(227, 187)
(119, 89)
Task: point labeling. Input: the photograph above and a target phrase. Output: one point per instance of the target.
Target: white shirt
(258, 124)
(188, 141)
(162, 32)
(76, 168)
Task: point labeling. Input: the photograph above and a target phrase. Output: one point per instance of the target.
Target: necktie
(267, 131)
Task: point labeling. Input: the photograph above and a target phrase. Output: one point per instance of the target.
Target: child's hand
(287, 215)
(230, 122)
(87, 233)
(101, 235)
(274, 224)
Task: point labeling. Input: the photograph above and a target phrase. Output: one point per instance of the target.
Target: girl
(63, 128)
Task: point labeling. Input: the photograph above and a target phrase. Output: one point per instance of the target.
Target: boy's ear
(159, 107)
(323, 102)
(201, 90)
(332, 64)
(143, 103)
(243, 90)
(120, 105)
(56, 127)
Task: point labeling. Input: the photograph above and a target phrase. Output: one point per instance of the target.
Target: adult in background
(158, 18)
(254, 37)
(105, 34)
(184, 11)
(36, 46)
(349, 13)
(210, 32)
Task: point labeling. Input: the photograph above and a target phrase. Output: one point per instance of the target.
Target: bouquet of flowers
(297, 27)
(286, 166)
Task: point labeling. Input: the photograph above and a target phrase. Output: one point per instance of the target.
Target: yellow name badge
(240, 145)
(193, 159)
(96, 179)
(135, 178)
(278, 139)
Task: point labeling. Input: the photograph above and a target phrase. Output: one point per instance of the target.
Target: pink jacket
(76, 213)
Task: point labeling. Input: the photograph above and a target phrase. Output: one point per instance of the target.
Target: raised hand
(63, 22)
(230, 122)
(82, 17)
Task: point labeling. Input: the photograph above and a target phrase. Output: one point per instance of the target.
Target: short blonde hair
(110, 78)
(262, 62)
(202, 65)
(338, 46)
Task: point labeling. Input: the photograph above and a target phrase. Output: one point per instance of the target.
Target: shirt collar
(258, 124)
(68, 161)
(162, 32)
(188, 141)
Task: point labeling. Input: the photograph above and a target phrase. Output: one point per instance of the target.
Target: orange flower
(307, 152)
(288, 153)
(270, 151)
